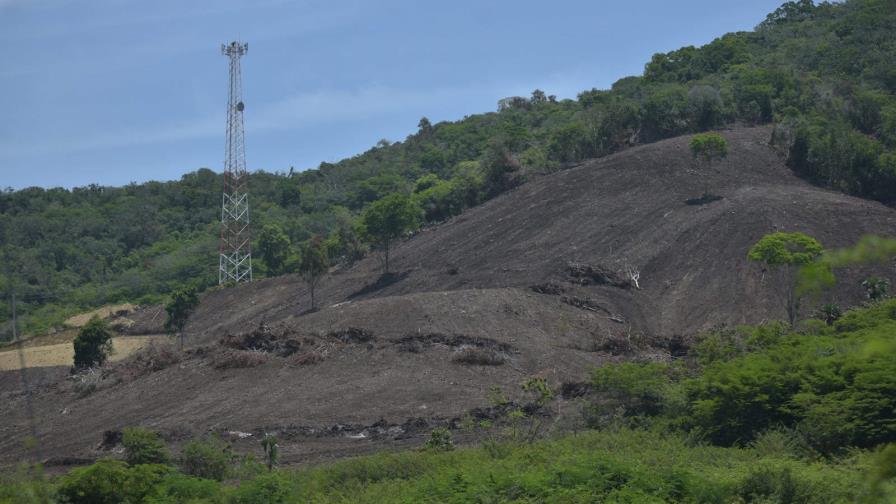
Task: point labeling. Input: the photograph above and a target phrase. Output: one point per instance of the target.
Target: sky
(119, 91)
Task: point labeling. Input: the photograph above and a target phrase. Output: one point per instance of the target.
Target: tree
(787, 252)
(179, 309)
(273, 247)
(498, 165)
(92, 344)
(313, 263)
(388, 219)
(707, 148)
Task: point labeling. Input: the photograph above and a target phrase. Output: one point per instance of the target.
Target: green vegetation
(313, 263)
(833, 385)
(387, 220)
(788, 252)
(179, 309)
(708, 148)
(142, 446)
(209, 459)
(619, 465)
(271, 450)
(273, 249)
(822, 73)
(92, 344)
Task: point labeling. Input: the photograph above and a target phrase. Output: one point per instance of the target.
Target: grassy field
(62, 354)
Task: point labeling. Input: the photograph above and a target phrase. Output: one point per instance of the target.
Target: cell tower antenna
(235, 261)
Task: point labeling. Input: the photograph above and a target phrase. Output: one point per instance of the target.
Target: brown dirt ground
(467, 282)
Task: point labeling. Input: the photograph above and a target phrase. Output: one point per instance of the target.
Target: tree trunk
(311, 288)
(387, 256)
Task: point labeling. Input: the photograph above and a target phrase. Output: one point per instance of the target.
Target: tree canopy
(786, 249)
(388, 219)
(92, 344)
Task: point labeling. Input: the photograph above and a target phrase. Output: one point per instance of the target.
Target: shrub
(837, 388)
(639, 388)
(92, 344)
(272, 488)
(182, 488)
(439, 440)
(110, 482)
(143, 446)
(209, 458)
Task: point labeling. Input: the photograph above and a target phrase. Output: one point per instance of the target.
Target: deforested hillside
(534, 283)
(821, 73)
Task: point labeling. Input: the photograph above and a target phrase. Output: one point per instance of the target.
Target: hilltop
(514, 288)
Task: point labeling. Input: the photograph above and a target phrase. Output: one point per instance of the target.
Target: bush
(838, 388)
(181, 488)
(209, 458)
(637, 388)
(272, 488)
(110, 482)
(439, 440)
(142, 446)
(92, 344)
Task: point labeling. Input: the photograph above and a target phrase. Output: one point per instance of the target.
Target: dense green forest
(753, 414)
(823, 74)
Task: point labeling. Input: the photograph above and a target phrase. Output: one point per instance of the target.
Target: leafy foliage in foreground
(823, 74)
(609, 466)
(833, 386)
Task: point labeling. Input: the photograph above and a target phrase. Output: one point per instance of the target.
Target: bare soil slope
(530, 283)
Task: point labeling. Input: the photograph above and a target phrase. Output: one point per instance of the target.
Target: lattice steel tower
(235, 263)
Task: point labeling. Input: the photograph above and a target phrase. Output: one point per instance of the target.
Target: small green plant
(439, 440)
(540, 389)
(143, 446)
(270, 447)
(209, 458)
(829, 313)
(496, 397)
(876, 288)
(92, 344)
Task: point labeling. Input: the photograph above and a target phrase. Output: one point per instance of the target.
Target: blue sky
(115, 91)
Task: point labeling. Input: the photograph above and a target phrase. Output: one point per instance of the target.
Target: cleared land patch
(62, 354)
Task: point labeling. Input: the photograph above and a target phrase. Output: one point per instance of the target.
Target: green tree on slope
(387, 220)
(179, 309)
(708, 148)
(92, 344)
(313, 263)
(787, 252)
(273, 247)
